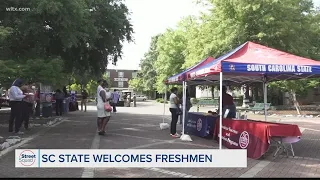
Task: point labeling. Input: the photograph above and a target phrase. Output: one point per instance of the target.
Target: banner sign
(173, 79)
(270, 68)
(199, 124)
(120, 79)
(134, 158)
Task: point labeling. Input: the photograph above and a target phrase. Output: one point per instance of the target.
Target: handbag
(107, 107)
(179, 112)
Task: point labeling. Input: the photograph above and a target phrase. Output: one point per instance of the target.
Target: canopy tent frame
(209, 72)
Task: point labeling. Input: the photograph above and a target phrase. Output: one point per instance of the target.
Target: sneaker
(20, 133)
(175, 135)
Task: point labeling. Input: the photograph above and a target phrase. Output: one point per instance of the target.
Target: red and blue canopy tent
(180, 77)
(251, 62)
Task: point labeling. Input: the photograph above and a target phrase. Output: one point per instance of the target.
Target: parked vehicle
(141, 98)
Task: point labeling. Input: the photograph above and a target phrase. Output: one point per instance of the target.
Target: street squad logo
(244, 139)
(27, 158)
(199, 124)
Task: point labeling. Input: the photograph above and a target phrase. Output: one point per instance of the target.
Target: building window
(120, 84)
(120, 74)
(134, 74)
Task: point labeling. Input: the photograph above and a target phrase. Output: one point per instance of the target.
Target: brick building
(120, 78)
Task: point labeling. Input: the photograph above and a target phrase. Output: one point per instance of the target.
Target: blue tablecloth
(199, 124)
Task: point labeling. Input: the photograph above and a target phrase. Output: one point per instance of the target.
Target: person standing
(84, 100)
(103, 97)
(27, 104)
(128, 100)
(175, 112)
(188, 107)
(16, 96)
(134, 100)
(115, 97)
(227, 103)
(59, 96)
(100, 83)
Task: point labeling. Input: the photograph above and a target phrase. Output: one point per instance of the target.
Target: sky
(151, 17)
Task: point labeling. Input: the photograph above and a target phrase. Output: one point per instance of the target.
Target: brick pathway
(138, 127)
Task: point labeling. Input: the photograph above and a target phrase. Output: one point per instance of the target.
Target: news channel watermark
(17, 9)
(130, 158)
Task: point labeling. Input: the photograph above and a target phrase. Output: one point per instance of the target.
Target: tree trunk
(295, 102)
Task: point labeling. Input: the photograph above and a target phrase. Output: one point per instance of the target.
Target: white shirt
(98, 90)
(16, 94)
(172, 104)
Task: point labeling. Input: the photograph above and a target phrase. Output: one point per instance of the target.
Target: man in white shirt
(16, 96)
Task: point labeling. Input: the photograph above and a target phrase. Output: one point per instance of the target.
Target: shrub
(194, 101)
(160, 100)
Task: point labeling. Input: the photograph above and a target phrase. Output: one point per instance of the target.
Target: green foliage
(170, 46)
(148, 73)
(136, 84)
(85, 34)
(75, 87)
(288, 25)
(160, 100)
(146, 77)
(91, 87)
(47, 71)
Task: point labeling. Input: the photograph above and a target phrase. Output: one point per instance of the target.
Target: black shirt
(84, 95)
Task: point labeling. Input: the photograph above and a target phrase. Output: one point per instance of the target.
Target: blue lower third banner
(79, 158)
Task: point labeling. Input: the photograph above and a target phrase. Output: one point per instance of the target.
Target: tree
(136, 84)
(147, 74)
(91, 87)
(49, 71)
(170, 46)
(288, 25)
(85, 34)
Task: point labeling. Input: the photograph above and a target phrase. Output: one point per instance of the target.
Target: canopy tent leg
(164, 103)
(265, 98)
(164, 125)
(183, 105)
(220, 113)
(184, 137)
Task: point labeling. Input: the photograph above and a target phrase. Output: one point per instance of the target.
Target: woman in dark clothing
(16, 96)
(59, 96)
(64, 90)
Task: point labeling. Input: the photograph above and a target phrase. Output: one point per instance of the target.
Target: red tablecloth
(254, 136)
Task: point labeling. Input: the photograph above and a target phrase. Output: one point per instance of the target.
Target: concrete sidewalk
(137, 128)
